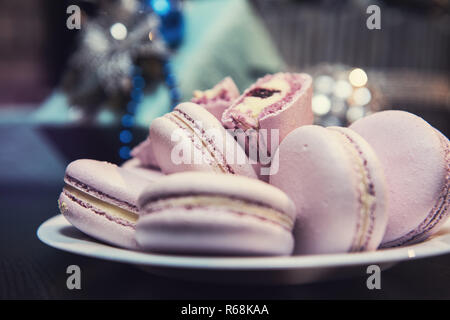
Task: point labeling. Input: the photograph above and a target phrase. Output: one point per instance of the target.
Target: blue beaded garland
(128, 120)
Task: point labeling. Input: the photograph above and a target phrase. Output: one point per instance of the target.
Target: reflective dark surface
(31, 270)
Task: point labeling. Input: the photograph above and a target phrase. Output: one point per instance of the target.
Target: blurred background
(84, 79)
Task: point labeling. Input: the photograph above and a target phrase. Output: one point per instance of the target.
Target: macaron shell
(319, 176)
(107, 179)
(378, 182)
(111, 184)
(144, 153)
(228, 84)
(217, 106)
(295, 114)
(416, 163)
(162, 130)
(96, 225)
(237, 187)
(134, 165)
(219, 214)
(216, 232)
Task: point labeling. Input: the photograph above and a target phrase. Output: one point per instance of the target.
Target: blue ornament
(124, 152)
(125, 136)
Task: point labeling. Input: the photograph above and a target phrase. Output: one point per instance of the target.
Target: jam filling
(261, 93)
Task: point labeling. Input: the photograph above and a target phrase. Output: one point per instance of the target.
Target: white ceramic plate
(59, 233)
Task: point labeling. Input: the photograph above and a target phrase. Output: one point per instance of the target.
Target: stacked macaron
(201, 185)
(196, 212)
(416, 159)
(338, 186)
(100, 199)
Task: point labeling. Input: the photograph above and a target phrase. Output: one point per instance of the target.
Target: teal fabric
(222, 38)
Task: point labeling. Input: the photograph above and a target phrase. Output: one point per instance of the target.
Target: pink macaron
(135, 165)
(191, 139)
(215, 214)
(281, 102)
(217, 99)
(416, 161)
(337, 184)
(214, 100)
(100, 199)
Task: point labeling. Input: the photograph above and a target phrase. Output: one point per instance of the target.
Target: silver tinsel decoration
(342, 95)
(110, 45)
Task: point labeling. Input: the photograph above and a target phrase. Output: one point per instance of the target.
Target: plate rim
(391, 255)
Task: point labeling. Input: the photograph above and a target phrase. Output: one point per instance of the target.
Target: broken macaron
(215, 214)
(191, 139)
(100, 199)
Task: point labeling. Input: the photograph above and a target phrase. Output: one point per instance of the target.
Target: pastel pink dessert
(280, 101)
(217, 99)
(337, 184)
(100, 199)
(416, 160)
(215, 214)
(144, 152)
(191, 139)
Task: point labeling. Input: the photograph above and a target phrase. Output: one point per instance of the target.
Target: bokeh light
(124, 152)
(342, 89)
(355, 113)
(362, 96)
(161, 7)
(127, 120)
(324, 84)
(321, 104)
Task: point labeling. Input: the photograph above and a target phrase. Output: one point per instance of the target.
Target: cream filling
(228, 204)
(253, 106)
(101, 205)
(181, 122)
(366, 199)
